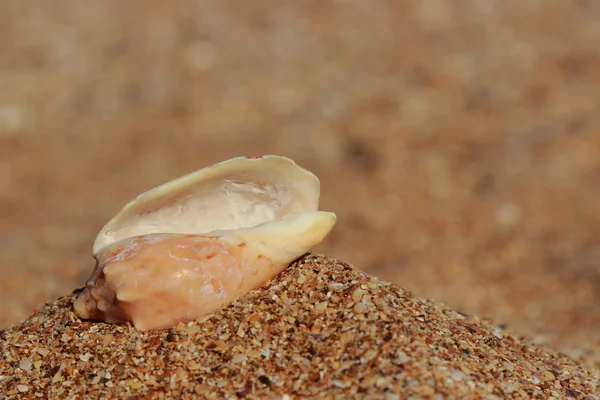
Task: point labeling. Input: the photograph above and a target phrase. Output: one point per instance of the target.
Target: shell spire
(185, 249)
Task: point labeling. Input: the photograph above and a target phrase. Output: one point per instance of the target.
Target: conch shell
(187, 248)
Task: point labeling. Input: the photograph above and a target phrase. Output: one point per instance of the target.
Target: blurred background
(458, 142)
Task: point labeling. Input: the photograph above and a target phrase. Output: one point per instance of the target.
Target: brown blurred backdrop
(458, 142)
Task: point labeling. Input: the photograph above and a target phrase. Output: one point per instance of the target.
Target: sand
(458, 142)
(321, 329)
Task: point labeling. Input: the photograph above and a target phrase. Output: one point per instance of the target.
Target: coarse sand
(321, 329)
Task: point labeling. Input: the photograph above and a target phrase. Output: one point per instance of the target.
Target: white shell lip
(242, 192)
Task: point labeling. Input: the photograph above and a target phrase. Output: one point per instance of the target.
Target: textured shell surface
(185, 249)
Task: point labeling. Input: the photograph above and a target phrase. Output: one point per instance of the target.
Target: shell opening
(239, 193)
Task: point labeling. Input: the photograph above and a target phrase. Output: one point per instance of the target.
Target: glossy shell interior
(238, 193)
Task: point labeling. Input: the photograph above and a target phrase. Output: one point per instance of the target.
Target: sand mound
(321, 329)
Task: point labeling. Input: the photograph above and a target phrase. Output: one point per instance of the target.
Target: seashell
(187, 248)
